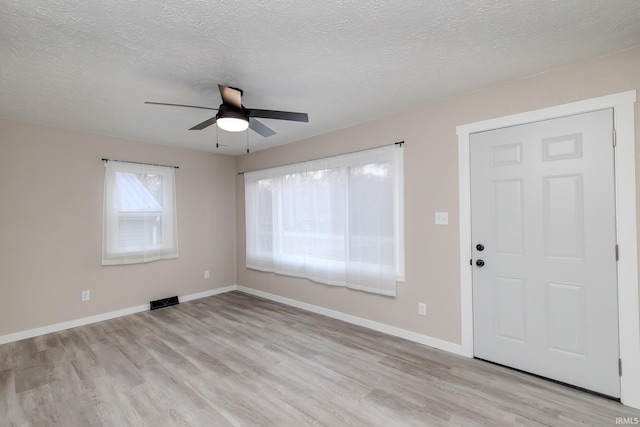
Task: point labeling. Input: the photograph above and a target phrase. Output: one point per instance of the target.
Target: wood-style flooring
(238, 360)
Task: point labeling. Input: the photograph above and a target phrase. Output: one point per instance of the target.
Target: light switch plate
(442, 218)
(422, 309)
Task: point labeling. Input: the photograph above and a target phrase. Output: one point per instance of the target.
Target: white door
(543, 222)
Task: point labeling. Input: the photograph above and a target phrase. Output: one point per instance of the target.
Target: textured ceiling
(89, 65)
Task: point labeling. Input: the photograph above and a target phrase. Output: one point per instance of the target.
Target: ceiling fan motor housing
(229, 111)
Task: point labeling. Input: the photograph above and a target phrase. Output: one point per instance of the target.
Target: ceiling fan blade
(231, 96)
(180, 105)
(279, 115)
(204, 124)
(260, 128)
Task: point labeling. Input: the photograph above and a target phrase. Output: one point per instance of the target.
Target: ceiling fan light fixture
(232, 121)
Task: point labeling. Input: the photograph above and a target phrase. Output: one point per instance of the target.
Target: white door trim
(625, 164)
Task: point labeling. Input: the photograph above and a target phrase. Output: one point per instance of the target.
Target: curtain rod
(399, 144)
(140, 163)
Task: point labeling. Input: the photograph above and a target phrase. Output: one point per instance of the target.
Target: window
(336, 220)
(139, 222)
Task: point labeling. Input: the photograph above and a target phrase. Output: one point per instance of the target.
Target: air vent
(166, 302)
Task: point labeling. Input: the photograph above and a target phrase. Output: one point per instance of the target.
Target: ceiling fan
(232, 116)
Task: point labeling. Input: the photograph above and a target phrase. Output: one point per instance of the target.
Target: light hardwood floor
(235, 359)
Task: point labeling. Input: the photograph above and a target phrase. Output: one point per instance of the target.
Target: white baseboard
(376, 326)
(205, 294)
(30, 333)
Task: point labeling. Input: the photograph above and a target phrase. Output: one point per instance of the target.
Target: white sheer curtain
(336, 220)
(139, 219)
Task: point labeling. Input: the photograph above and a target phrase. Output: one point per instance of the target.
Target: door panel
(563, 222)
(510, 298)
(507, 218)
(542, 202)
(566, 318)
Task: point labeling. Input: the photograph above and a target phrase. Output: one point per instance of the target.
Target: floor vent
(165, 302)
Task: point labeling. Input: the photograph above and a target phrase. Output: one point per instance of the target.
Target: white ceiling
(90, 64)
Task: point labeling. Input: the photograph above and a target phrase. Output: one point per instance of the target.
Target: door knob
(479, 263)
(480, 247)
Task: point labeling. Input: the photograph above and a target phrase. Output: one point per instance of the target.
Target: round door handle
(479, 263)
(480, 247)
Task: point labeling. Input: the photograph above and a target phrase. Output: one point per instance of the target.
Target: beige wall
(431, 184)
(51, 188)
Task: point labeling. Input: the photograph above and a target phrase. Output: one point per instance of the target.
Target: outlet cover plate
(442, 218)
(86, 295)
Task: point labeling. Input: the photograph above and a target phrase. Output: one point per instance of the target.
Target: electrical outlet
(442, 218)
(86, 295)
(206, 274)
(422, 309)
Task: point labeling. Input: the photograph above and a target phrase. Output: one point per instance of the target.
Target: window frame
(112, 253)
(255, 255)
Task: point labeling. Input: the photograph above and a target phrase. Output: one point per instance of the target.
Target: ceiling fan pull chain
(217, 140)
(247, 141)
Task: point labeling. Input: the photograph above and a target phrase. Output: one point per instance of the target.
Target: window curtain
(139, 219)
(336, 220)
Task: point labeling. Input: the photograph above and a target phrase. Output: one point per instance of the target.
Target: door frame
(625, 181)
